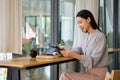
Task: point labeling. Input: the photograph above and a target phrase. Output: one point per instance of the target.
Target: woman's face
(84, 24)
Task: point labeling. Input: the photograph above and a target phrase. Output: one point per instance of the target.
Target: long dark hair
(85, 14)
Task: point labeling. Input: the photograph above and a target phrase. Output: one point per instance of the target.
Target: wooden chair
(115, 75)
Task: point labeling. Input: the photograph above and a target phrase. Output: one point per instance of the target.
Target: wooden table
(15, 65)
(113, 50)
(114, 58)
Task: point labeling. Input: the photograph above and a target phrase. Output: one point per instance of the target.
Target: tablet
(51, 50)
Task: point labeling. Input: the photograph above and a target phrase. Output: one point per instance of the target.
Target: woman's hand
(65, 53)
(71, 54)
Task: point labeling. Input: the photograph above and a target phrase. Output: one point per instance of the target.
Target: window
(111, 10)
(106, 19)
(36, 25)
(66, 17)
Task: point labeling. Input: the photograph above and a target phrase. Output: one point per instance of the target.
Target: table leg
(13, 74)
(54, 73)
(77, 66)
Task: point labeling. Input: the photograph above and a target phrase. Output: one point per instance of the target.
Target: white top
(94, 50)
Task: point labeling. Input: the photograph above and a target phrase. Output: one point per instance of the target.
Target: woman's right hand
(71, 55)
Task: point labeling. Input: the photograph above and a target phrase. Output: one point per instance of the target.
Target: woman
(92, 52)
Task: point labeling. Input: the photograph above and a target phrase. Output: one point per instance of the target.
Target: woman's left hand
(65, 53)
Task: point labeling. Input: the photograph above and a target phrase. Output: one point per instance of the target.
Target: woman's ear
(88, 19)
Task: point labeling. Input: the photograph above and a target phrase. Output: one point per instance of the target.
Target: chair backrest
(115, 75)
